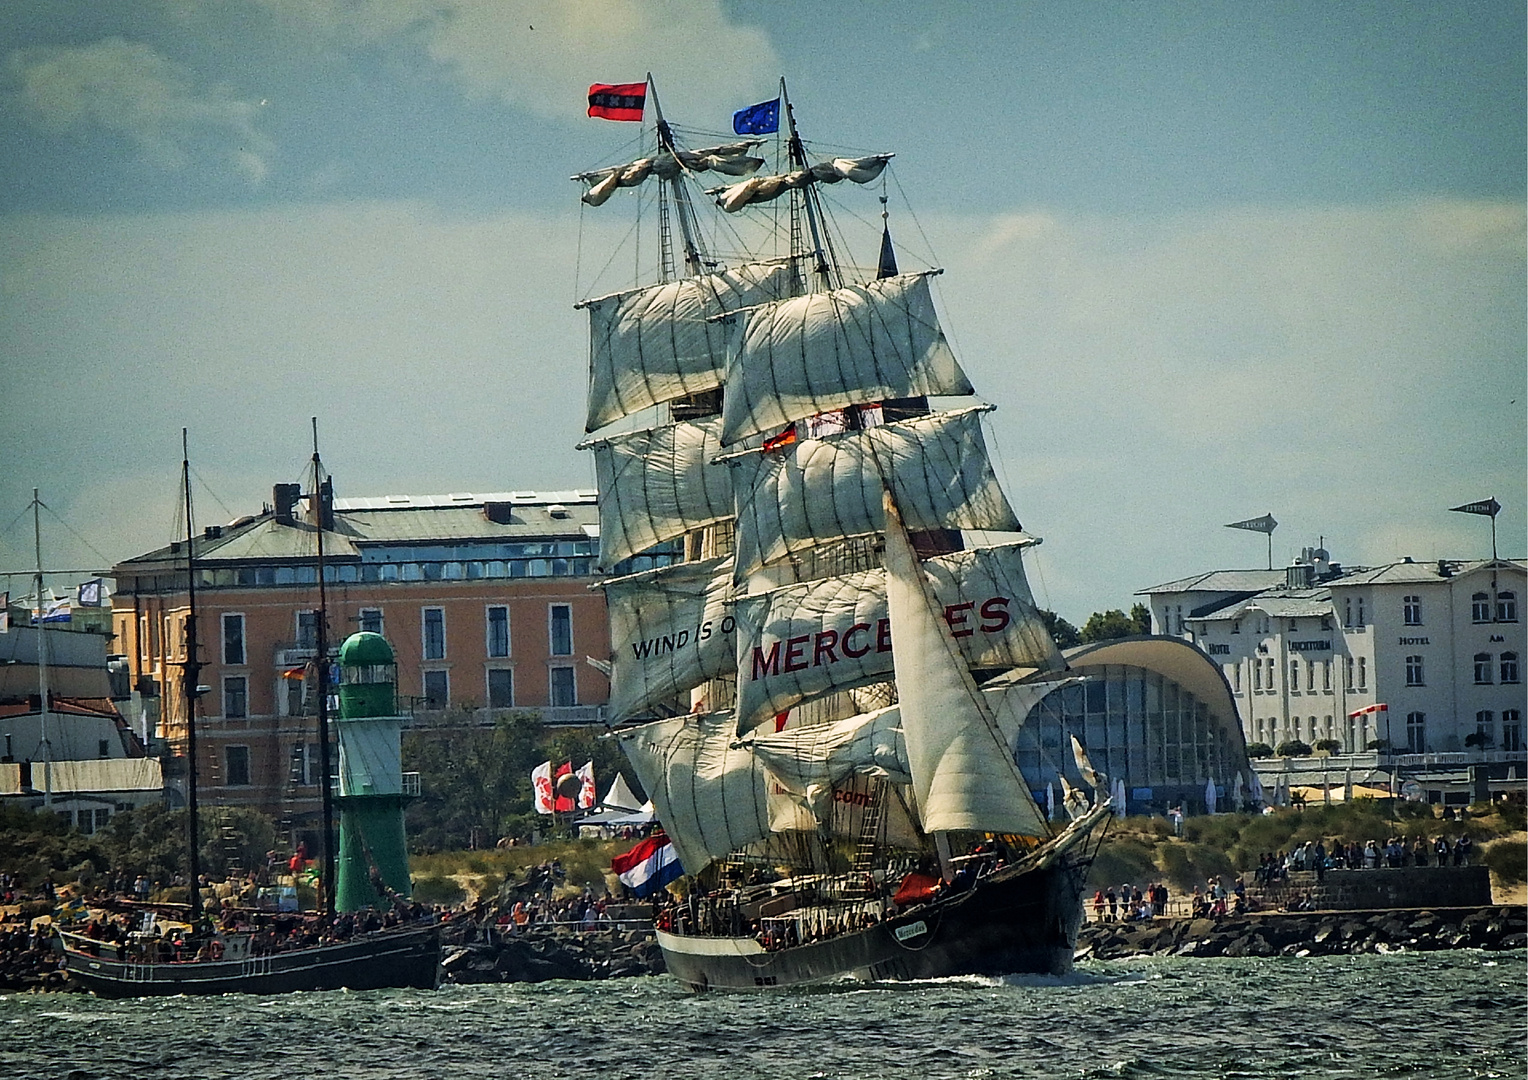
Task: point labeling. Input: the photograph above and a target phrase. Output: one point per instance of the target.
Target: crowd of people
(1394, 852)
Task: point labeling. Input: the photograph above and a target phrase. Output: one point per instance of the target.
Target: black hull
(1021, 922)
(405, 957)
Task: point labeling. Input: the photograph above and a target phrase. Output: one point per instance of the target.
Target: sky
(1210, 260)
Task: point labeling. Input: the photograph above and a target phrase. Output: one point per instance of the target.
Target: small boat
(255, 959)
(402, 956)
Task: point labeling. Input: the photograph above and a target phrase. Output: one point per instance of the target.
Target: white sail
(658, 484)
(825, 350)
(762, 189)
(803, 641)
(661, 342)
(962, 767)
(820, 489)
(671, 629)
(710, 796)
(730, 159)
(866, 744)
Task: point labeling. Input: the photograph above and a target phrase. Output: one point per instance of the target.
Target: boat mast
(693, 258)
(321, 643)
(191, 670)
(42, 660)
(824, 267)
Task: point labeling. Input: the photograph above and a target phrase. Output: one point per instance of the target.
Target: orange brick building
(484, 599)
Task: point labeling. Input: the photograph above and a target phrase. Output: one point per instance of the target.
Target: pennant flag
(541, 782)
(649, 866)
(886, 265)
(1381, 707)
(1487, 507)
(622, 101)
(1264, 524)
(760, 119)
(587, 796)
(89, 593)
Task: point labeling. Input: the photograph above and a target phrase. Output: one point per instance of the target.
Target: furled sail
(730, 159)
(661, 342)
(829, 349)
(710, 796)
(671, 629)
(657, 484)
(963, 771)
(822, 489)
(762, 189)
(804, 641)
(868, 744)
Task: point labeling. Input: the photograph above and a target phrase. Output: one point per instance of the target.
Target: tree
(472, 778)
(1292, 748)
(1329, 746)
(1106, 625)
(1259, 750)
(1063, 633)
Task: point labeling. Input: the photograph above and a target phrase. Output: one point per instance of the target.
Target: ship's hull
(1022, 922)
(403, 957)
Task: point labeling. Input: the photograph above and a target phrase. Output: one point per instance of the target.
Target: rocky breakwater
(1310, 933)
(538, 953)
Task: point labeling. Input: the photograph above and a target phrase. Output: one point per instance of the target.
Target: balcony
(290, 654)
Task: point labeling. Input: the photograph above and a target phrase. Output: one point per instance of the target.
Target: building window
(437, 689)
(1512, 730)
(1363, 672)
(235, 697)
(562, 630)
(1416, 733)
(371, 620)
(1326, 675)
(564, 693)
(1257, 674)
(1360, 612)
(1414, 671)
(498, 631)
(1236, 626)
(1348, 673)
(1485, 733)
(1294, 676)
(233, 640)
(1270, 673)
(434, 634)
(1411, 610)
(1482, 668)
(1480, 608)
(1509, 667)
(292, 684)
(501, 688)
(103, 747)
(1178, 615)
(1235, 677)
(143, 639)
(1347, 611)
(1506, 607)
(236, 766)
(1310, 676)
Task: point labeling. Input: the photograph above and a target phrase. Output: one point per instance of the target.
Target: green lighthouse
(371, 794)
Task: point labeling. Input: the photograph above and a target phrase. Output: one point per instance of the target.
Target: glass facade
(1137, 725)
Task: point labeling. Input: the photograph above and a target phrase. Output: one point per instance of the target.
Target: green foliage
(1292, 748)
(1513, 815)
(1508, 860)
(1063, 633)
(1106, 625)
(1377, 744)
(1187, 865)
(1478, 738)
(1122, 859)
(1259, 750)
(1328, 746)
(438, 890)
(234, 840)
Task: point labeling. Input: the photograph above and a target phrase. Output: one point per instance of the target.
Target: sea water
(1436, 1015)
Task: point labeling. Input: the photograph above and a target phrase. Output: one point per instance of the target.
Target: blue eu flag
(760, 119)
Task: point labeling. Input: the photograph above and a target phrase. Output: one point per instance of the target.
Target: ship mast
(693, 256)
(191, 670)
(824, 265)
(42, 660)
(317, 506)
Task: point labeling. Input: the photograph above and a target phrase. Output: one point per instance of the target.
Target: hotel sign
(1311, 646)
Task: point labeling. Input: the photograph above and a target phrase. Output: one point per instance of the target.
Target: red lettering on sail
(849, 650)
(823, 646)
(883, 636)
(794, 650)
(995, 610)
(766, 664)
(955, 615)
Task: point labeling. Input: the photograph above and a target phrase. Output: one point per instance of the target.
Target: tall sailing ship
(821, 663)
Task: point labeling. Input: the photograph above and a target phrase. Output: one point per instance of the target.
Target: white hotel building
(1440, 644)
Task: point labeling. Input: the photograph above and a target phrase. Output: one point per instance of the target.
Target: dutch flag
(649, 866)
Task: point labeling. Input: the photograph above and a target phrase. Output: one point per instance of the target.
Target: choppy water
(1437, 1015)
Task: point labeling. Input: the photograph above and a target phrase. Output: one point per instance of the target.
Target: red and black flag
(624, 101)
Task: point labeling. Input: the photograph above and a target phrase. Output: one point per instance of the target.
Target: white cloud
(543, 54)
(128, 89)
